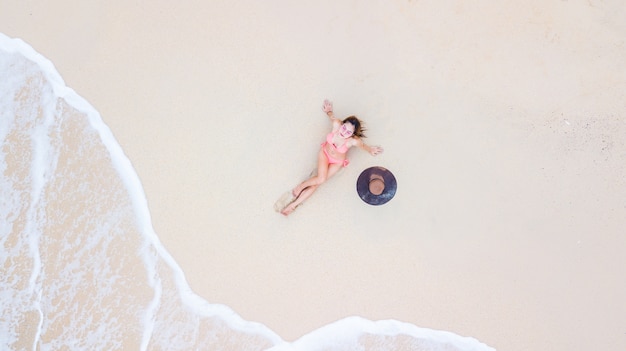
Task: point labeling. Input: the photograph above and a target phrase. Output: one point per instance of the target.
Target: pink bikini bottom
(332, 160)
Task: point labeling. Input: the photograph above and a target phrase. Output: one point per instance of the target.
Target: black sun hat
(376, 185)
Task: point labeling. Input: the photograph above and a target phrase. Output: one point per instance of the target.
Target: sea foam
(82, 265)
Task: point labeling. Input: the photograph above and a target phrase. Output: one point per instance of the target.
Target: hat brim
(363, 189)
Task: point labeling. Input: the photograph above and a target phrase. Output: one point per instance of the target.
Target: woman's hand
(327, 107)
(375, 150)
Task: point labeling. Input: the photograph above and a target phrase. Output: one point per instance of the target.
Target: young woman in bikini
(333, 154)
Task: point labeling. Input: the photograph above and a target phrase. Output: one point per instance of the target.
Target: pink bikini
(342, 149)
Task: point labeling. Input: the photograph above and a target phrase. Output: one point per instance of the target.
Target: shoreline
(496, 177)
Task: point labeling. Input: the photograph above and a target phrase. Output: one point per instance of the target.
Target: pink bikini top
(342, 149)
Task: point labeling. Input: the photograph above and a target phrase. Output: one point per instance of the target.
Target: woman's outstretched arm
(372, 150)
(328, 109)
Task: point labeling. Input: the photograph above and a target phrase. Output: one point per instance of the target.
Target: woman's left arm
(372, 150)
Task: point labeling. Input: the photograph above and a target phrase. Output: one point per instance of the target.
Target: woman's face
(346, 130)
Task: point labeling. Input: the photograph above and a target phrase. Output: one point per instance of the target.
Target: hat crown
(377, 185)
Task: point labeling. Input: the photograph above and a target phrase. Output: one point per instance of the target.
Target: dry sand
(503, 121)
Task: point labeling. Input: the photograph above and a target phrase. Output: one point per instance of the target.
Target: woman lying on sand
(333, 154)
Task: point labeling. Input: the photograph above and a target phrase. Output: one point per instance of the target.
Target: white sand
(503, 121)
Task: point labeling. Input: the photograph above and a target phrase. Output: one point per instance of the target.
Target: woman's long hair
(358, 126)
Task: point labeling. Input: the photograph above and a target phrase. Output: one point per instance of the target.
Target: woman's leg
(322, 174)
(305, 194)
(308, 191)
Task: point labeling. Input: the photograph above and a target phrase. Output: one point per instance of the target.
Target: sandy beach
(503, 122)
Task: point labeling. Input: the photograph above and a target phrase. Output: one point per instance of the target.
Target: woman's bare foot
(288, 210)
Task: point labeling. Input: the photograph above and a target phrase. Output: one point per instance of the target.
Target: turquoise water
(83, 268)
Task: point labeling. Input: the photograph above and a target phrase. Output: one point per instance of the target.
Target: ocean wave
(83, 267)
